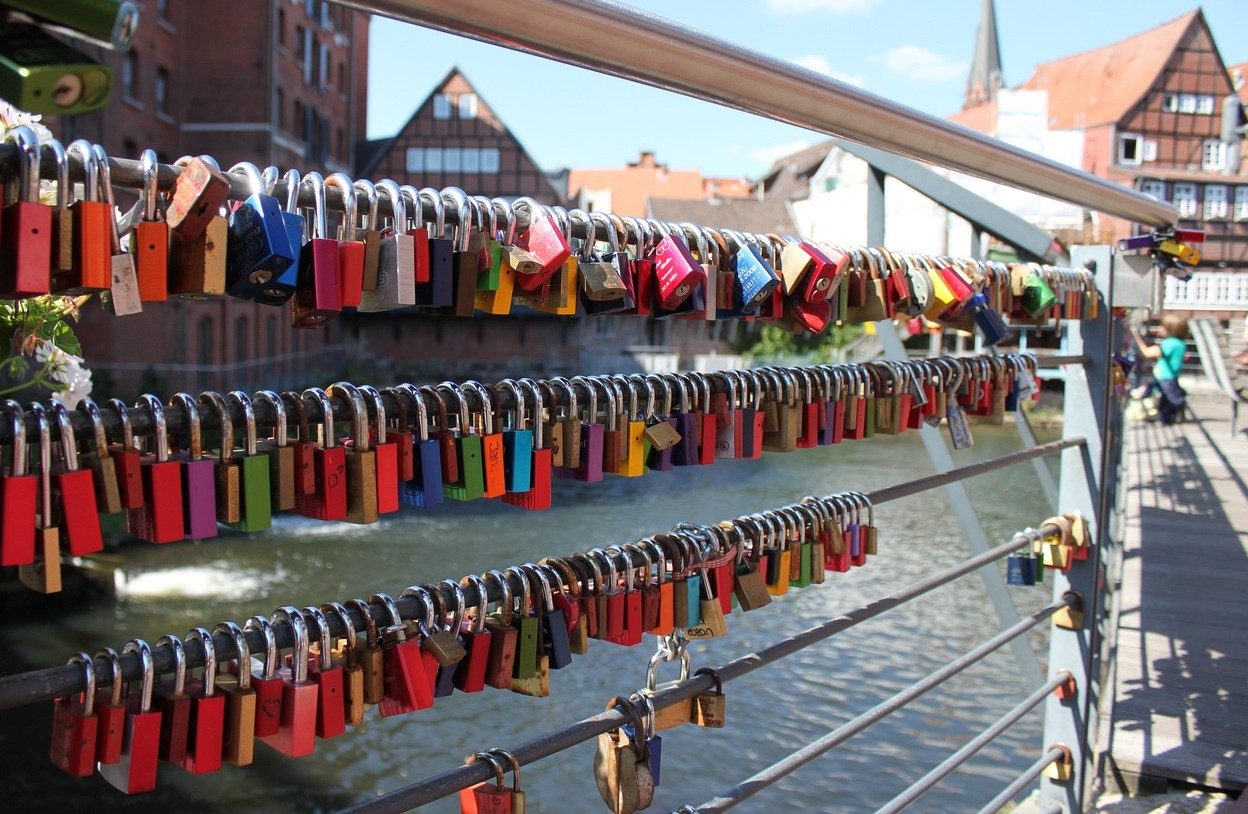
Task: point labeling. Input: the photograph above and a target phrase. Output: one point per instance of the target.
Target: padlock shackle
(241, 648)
(270, 644)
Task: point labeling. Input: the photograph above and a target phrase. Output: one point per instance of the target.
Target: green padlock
(1038, 297)
(255, 511)
(527, 626)
(468, 451)
(489, 279)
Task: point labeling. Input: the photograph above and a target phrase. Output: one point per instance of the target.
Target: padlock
(75, 726)
(461, 451)
(328, 500)
(477, 638)
(386, 447)
(351, 249)
(369, 655)
(259, 249)
(239, 724)
(174, 705)
(43, 573)
(621, 766)
(712, 624)
(207, 723)
(63, 256)
(407, 685)
(542, 247)
(318, 297)
(110, 710)
(443, 648)
(424, 489)
(360, 460)
(226, 476)
(518, 803)
(675, 714)
(676, 272)
(331, 720)
(756, 279)
(197, 263)
(633, 624)
(296, 732)
(554, 627)
(470, 240)
(161, 518)
(92, 231)
(397, 251)
(199, 485)
(346, 653)
(18, 496)
(517, 441)
(538, 496)
(199, 191)
(122, 297)
(268, 685)
(103, 469)
(255, 511)
(368, 232)
(483, 798)
(493, 475)
(500, 666)
(528, 627)
(149, 240)
(567, 597)
(25, 227)
(280, 453)
(135, 770)
(283, 281)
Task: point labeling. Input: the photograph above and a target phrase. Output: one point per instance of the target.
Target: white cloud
(922, 65)
(834, 6)
(770, 154)
(820, 64)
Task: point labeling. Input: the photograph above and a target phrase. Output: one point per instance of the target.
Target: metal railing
(1208, 291)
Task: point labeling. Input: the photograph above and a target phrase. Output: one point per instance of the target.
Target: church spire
(985, 79)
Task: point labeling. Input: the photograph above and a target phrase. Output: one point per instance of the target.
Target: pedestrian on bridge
(1167, 356)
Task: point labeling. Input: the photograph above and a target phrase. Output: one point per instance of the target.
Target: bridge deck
(1180, 688)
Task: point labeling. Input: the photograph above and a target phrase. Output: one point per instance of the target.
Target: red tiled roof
(980, 117)
(1099, 86)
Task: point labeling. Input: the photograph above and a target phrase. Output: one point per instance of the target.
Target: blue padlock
(756, 279)
(424, 490)
(258, 247)
(517, 444)
(990, 323)
(282, 287)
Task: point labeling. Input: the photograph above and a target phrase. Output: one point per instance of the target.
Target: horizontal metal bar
(971, 747)
(914, 487)
(616, 39)
(40, 685)
(461, 777)
(1029, 776)
(1057, 359)
(781, 769)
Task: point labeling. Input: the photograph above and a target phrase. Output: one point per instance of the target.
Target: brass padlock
(710, 709)
(671, 715)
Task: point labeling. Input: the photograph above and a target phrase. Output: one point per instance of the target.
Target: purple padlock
(199, 484)
(827, 429)
(661, 460)
(685, 453)
(590, 469)
(1137, 242)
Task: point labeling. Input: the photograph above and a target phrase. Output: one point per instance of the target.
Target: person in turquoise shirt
(1167, 355)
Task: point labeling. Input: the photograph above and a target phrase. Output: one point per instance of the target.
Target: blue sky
(916, 52)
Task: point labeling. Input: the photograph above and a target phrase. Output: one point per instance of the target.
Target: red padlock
(676, 272)
(74, 726)
(544, 241)
(125, 457)
(174, 705)
(204, 745)
(110, 709)
(350, 249)
(18, 497)
(296, 731)
(402, 437)
(304, 447)
(267, 685)
(161, 518)
(470, 671)
(25, 227)
(149, 243)
(74, 492)
(92, 232)
(328, 501)
(407, 686)
(318, 292)
(135, 771)
(385, 446)
(331, 720)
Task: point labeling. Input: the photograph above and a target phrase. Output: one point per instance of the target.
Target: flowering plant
(42, 350)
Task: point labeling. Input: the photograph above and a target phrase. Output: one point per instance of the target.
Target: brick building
(1156, 111)
(281, 82)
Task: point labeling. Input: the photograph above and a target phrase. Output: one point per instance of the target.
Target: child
(1167, 356)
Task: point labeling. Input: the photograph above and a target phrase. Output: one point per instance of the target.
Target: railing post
(1086, 413)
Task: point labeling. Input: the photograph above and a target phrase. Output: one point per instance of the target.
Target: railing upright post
(1086, 413)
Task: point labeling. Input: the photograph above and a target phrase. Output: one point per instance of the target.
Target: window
(1241, 203)
(1187, 103)
(1170, 102)
(162, 9)
(130, 74)
(342, 77)
(241, 351)
(323, 73)
(162, 90)
(489, 160)
(281, 109)
(1215, 201)
(1185, 200)
(1150, 149)
(1213, 154)
(1156, 189)
(1129, 149)
(1204, 104)
(450, 159)
(433, 159)
(300, 43)
(309, 54)
(441, 106)
(309, 8)
(281, 28)
(471, 160)
(415, 159)
(468, 106)
(297, 124)
(325, 13)
(129, 147)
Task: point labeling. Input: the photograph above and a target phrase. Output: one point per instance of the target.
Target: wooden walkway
(1180, 685)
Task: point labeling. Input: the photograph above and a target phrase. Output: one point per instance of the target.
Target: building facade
(626, 190)
(281, 82)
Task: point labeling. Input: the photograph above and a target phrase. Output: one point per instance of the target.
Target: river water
(771, 712)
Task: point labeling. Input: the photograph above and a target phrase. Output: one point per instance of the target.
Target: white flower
(66, 369)
(12, 117)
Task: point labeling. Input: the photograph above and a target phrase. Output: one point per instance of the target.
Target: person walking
(1167, 357)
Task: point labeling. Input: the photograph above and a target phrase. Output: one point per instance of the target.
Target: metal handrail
(1029, 775)
(612, 38)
